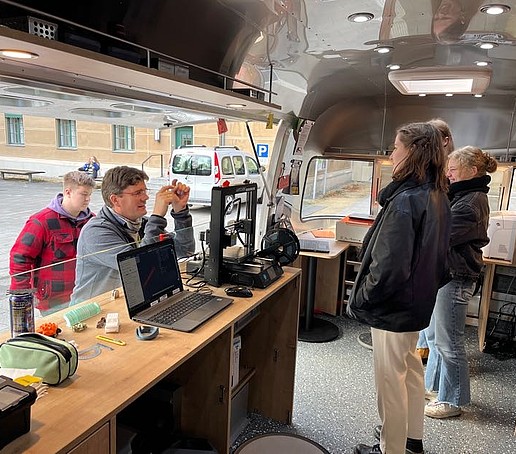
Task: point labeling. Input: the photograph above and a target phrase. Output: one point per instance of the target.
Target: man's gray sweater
(103, 237)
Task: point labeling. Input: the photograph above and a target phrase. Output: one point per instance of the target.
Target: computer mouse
(241, 292)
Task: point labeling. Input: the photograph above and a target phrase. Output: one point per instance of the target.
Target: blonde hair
(470, 156)
(76, 178)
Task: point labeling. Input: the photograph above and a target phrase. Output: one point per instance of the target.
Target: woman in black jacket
(447, 374)
(403, 266)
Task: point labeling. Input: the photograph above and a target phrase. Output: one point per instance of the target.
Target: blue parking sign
(262, 150)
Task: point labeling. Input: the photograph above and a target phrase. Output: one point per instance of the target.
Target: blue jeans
(447, 368)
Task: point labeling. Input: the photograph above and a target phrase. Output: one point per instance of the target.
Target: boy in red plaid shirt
(42, 256)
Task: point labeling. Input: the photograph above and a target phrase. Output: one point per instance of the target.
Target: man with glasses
(42, 255)
(121, 224)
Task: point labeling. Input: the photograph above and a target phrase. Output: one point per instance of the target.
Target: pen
(109, 339)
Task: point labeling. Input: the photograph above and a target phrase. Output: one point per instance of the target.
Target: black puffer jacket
(404, 262)
(470, 219)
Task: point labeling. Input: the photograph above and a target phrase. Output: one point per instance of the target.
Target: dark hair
(118, 179)
(426, 155)
(470, 156)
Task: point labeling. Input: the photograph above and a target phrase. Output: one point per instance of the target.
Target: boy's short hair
(76, 178)
(117, 179)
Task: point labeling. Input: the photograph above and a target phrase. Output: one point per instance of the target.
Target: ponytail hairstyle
(426, 158)
(446, 134)
(470, 156)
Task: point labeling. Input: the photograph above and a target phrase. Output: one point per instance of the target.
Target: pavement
(19, 199)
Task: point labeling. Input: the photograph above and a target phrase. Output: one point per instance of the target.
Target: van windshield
(187, 164)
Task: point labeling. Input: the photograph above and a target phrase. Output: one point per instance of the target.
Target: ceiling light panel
(438, 80)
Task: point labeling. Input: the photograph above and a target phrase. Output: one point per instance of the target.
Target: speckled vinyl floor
(335, 404)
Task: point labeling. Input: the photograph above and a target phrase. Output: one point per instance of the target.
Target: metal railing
(149, 53)
(161, 163)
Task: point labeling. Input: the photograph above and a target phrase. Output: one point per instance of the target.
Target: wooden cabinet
(328, 278)
(85, 408)
(96, 443)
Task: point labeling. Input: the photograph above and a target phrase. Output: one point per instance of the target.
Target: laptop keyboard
(179, 309)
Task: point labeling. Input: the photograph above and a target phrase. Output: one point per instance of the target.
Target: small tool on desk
(93, 351)
(110, 340)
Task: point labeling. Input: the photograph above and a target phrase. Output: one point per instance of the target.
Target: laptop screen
(149, 273)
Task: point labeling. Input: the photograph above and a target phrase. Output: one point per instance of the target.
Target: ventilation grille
(42, 28)
(32, 25)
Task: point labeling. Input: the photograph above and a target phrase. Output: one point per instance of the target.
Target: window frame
(14, 129)
(123, 139)
(66, 131)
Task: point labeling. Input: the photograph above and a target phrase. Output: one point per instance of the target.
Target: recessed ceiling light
(422, 94)
(382, 49)
(487, 45)
(495, 9)
(394, 67)
(478, 95)
(449, 95)
(236, 106)
(360, 17)
(440, 80)
(482, 63)
(21, 54)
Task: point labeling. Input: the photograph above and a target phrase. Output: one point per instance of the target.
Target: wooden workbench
(80, 415)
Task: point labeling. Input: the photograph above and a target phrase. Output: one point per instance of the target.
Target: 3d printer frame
(221, 233)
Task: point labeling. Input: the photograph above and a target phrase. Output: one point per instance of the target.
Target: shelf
(247, 375)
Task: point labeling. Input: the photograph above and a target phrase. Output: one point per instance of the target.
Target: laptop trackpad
(190, 321)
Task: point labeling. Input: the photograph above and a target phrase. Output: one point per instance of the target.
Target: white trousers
(400, 388)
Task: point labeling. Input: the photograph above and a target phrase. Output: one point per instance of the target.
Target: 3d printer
(227, 261)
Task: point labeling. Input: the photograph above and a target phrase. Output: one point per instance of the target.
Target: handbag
(54, 359)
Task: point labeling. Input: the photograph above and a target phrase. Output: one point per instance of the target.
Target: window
(238, 162)
(66, 133)
(335, 188)
(252, 167)
(187, 164)
(15, 134)
(227, 167)
(123, 138)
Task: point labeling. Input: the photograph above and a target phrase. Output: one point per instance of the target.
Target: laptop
(153, 289)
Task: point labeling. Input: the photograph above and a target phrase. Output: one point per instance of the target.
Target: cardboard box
(309, 242)
(353, 227)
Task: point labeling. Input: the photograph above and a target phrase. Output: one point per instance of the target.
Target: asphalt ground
(19, 199)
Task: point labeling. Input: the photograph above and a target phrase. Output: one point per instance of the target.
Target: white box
(235, 361)
(308, 242)
(502, 236)
(353, 228)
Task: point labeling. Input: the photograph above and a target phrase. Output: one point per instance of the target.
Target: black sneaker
(413, 446)
(365, 449)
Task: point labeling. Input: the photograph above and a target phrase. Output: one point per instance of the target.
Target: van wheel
(229, 204)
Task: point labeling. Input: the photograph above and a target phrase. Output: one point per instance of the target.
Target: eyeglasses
(139, 193)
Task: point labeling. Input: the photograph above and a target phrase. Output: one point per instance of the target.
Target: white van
(202, 168)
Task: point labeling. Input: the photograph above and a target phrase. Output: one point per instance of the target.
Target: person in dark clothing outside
(42, 256)
(403, 266)
(447, 374)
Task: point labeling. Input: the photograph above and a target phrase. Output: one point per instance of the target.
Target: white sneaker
(441, 410)
(430, 395)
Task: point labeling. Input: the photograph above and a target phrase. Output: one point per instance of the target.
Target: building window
(123, 138)
(66, 134)
(15, 134)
